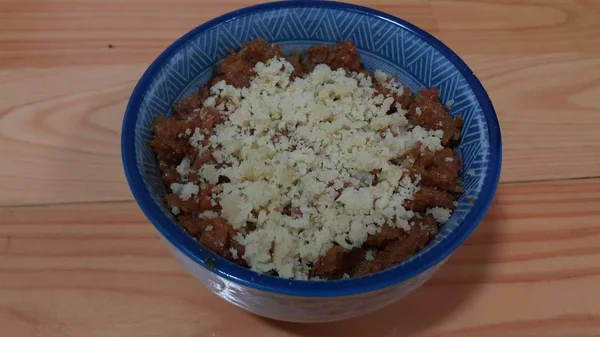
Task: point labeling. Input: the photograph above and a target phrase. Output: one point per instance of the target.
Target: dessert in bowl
(316, 173)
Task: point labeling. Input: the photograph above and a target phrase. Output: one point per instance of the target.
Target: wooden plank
(515, 26)
(64, 139)
(548, 111)
(50, 34)
(60, 133)
(530, 269)
(89, 264)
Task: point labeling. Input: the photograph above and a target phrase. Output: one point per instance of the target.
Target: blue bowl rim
(246, 277)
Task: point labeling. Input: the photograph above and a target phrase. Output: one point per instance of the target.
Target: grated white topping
(440, 214)
(311, 144)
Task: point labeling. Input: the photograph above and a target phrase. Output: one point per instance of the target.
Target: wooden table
(78, 258)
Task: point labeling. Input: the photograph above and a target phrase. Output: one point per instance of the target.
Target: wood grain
(548, 110)
(515, 26)
(77, 257)
(64, 94)
(50, 33)
(100, 269)
(62, 139)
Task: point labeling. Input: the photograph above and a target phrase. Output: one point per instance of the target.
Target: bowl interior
(384, 43)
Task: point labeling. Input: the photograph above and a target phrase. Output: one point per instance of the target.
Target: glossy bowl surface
(384, 42)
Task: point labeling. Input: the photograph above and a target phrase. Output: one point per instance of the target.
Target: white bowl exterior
(299, 309)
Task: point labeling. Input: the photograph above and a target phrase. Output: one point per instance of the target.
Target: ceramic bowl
(384, 42)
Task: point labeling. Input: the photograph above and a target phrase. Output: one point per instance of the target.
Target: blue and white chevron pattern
(382, 44)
